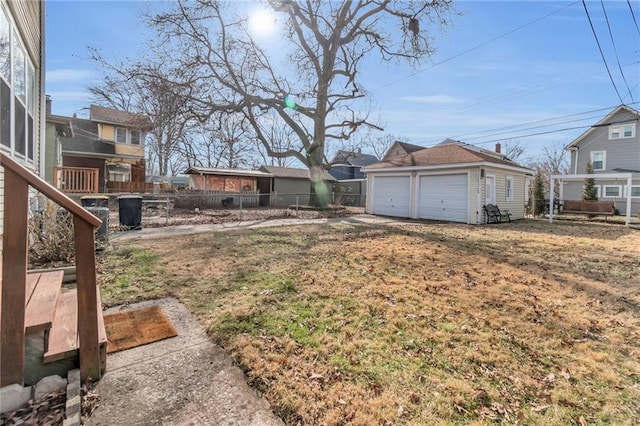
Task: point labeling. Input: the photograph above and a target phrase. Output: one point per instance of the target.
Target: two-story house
(347, 164)
(612, 146)
(106, 148)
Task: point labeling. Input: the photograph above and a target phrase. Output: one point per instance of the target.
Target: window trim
(508, 188)
(26, 100)
(604, 191)
(604, 160)
(619, 129)
(632, 187)
(126, 135)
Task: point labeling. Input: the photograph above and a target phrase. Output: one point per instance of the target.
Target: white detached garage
(448, 182)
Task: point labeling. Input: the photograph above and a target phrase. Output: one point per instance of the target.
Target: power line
(475, 47)
(606, 17)
(535, 134)
(515, 127)
(633, 15)
(600, 49)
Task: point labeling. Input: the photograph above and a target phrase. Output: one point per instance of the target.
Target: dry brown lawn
(413, 324)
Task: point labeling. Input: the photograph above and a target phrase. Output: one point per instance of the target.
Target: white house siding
(28, 17)
(517, 205)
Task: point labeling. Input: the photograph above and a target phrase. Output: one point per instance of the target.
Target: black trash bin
(94, 201)
(101, 213)
(130, 211)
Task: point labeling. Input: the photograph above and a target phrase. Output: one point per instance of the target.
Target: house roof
(85, 139)
(226, 172)
(102, 114)
(441, 155)
(85, 142)
(354, 158)
(604, 121)
(409, 147)
(62, 125)
(292, 173)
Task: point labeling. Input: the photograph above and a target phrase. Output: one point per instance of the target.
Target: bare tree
(150, 93)
(552, 161)
(223, 141)
(514, 150)
(315, 91)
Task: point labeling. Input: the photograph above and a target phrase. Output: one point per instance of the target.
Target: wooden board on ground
(129, 329)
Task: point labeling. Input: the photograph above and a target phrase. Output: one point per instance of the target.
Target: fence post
(297, 206)
(241, 206)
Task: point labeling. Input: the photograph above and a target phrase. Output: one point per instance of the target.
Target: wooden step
(63, 336)
(41, 297)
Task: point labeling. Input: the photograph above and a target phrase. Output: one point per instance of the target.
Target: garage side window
(508, 185)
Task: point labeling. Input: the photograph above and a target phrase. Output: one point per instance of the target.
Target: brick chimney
(48, 103)
(498, 148)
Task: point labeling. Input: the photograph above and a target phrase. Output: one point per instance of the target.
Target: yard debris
(49, 410)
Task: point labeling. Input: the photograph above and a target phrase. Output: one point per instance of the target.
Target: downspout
(478, 200)
(43, 121)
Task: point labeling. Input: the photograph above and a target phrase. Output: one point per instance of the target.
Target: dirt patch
(421, 323)
(153, 217)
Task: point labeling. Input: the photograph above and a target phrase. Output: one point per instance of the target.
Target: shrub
(51, 236)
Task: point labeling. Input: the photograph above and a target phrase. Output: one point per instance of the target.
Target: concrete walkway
(149, 233)
(184, 380)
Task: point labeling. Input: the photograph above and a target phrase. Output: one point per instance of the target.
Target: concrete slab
(185, 380)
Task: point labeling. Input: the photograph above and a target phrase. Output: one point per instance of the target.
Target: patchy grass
(414, 324)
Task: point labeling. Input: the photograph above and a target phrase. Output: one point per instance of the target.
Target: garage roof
(441, 155)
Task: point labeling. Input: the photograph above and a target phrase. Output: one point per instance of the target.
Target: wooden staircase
(38, 315)
(54, 311)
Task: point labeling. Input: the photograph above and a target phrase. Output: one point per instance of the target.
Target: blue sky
(499, 69)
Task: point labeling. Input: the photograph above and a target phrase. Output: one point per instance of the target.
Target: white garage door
(391, 196)
(443, 197)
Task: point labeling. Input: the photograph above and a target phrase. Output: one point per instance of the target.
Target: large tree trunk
(320, 193)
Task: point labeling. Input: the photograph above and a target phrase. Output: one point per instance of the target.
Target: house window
(598, 160)
(17, 92)
(121, 135)
(622, 131)
(635, 191)
(509, 188)
(612, 191)
(135, 137)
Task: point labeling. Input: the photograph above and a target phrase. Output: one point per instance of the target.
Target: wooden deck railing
(17, 180)
(82, 180)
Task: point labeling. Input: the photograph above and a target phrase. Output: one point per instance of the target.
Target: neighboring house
(290, 185)
(450, 181)
(108, 147)
(401, 148)
(347, 165)
(612, 146)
